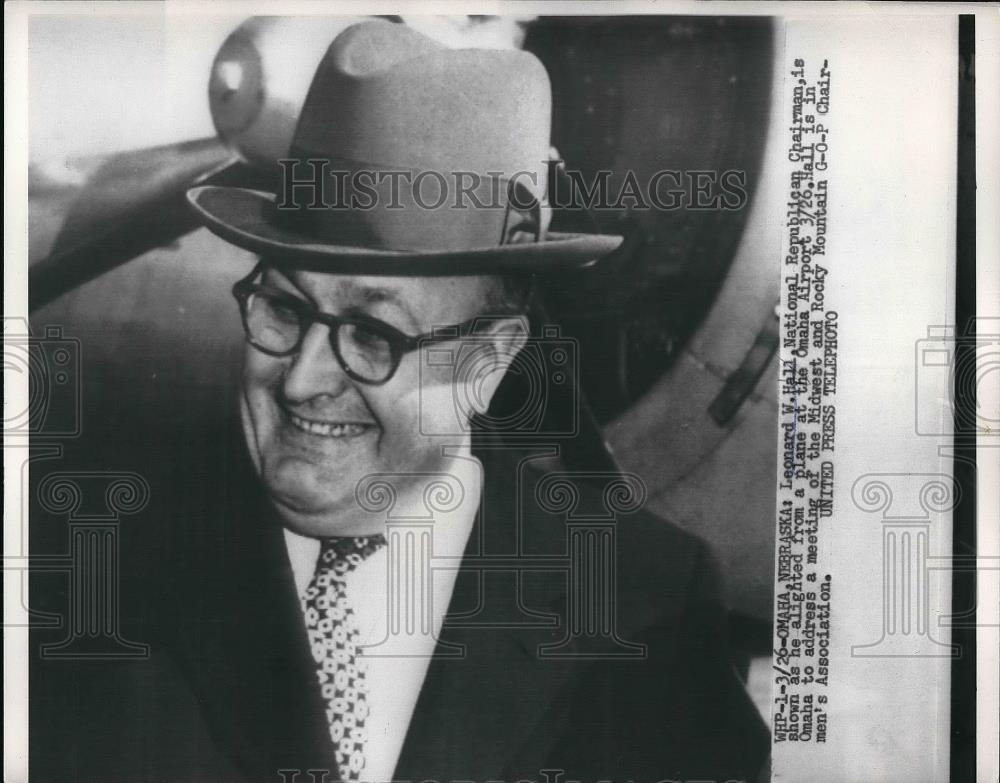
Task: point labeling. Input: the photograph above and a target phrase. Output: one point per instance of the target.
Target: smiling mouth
(329, 429)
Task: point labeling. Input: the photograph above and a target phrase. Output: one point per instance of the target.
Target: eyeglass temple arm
(438, 335)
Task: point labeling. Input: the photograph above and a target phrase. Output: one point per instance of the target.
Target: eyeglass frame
(400, 343)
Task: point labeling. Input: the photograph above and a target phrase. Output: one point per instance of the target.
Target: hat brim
(240, 216)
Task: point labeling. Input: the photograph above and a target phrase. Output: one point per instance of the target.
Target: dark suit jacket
(228, 692)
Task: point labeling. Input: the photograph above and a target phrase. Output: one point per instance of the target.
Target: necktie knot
(343, 554)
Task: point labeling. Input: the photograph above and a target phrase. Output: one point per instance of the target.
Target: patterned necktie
(333, 638)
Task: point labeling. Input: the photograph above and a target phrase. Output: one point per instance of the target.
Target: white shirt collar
(451, 529)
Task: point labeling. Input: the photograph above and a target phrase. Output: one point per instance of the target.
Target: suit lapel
(478, 713)
(241, 640)
(497, 712)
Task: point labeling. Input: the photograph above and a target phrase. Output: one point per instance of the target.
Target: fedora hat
(410, 158)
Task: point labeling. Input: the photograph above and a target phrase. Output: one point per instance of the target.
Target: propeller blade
(133, 202)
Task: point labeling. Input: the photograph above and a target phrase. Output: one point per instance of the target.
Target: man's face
(314, 433)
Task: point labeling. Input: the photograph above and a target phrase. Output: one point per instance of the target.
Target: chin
(321, 526)
(308, 505)
(324, 521)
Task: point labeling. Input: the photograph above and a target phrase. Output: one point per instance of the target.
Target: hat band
(358, 204)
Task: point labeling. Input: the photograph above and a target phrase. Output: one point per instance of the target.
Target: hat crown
(388, 96)
(373, 46)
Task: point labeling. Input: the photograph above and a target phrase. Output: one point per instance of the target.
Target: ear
(504, 338)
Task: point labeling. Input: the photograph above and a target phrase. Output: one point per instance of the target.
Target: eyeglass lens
(276, 325)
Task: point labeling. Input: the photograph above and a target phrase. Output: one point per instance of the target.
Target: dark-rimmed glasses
(368, 350)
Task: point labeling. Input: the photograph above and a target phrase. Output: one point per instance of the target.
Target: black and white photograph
(563, 392)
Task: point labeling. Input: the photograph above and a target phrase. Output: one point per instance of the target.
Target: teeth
(328, 429)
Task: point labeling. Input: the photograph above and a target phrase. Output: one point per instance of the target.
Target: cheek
(444, 402)
(397, 412)
(259, 369)
(262, 378)
(410, 415)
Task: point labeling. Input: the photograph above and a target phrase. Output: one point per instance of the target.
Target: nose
(314, 371)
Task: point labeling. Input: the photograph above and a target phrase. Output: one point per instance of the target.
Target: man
(360, 589)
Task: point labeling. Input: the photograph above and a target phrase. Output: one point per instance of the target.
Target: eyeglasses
(368, 350)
